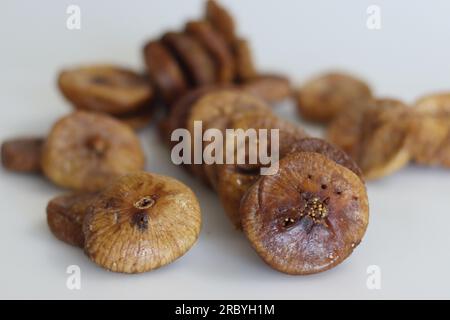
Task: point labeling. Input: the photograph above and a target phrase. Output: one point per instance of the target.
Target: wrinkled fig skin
(22, 155)
(141, 222)
(197, 65)
(65, 215)
(270, 88)
(164, 72)
(221, 20)
(216, 46)
(308, 217)
(105, 88)
(324, 97)
(328, 150)
(85, 151)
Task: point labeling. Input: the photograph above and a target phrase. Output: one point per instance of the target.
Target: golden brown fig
(65, 215)
(217, 48)
(431, 130)
(385, 139)
(213, 109)
(164, 72)
(105, 88)
(437, 104)
(270, 88)
(307, 218)
(326, 96)
(245, 66)
(198, 66)
(141, 222)
(22, 154)
(85, 151)
(221, 20)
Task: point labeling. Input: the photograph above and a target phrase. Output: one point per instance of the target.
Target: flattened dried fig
(245, 66)
(141, 222)
(65, 215)
(216, 46)
(214, 108)
(233, 180)
(430, 119)
(22, 154)
(308, 217)
(197, 64)
(221, 20)
(85, 150)
(328, 150)
(105, 88)
(324, 97)
(270, 88)
(164, 71)
(385, 139)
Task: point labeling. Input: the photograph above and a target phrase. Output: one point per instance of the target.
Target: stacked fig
(382, 135)
(208, 52)
(305, 218)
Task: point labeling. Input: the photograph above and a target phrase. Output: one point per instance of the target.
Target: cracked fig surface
(308, 217)
(141, 222)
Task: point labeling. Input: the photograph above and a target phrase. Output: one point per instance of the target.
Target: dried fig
(308, 217)
(324, 97)
(105, 88)
(164, 71)
(221, 20)
(198, 66)
(233, 180)
(216, 46)
(328, 150)
(385, 139)
(65, 215)
(270, 88)
(245, 66)
(213, 110)
(85, 150)
(22, 154)
(141, 222)
(437, 104)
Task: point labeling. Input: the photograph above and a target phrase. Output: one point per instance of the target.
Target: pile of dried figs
(381, 134)
(305, 218)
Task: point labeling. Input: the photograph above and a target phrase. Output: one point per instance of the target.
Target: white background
(408, 235)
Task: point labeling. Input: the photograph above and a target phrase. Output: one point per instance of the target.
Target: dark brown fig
(139, 119)
(85, 151)
(22, 154)
(216, 46)
(65, 215)
(196, 63)
(269, 87)
(326, 96)
(164, 72)
(328, 150)
(141, 222)
(105, 88)
(308, 217)
(245, 66)
(221, 20)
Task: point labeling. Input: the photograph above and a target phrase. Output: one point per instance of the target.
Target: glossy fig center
(316, 209)
(144, 203)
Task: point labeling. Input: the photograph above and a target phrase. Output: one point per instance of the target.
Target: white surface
(408, 235)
